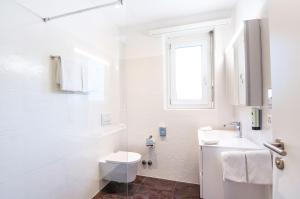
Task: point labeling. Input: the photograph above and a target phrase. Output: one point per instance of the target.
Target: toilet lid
(123, 157)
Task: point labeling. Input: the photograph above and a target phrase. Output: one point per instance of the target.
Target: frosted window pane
(188, 73)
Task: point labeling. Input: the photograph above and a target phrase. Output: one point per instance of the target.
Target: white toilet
(121, 166)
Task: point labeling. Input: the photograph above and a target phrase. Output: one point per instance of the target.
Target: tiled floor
(150, 188)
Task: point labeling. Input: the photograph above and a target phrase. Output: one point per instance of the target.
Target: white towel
(93, 76)
(259, 167)
(69, 74)
(234, 166)
(210, 141)
(206, 128)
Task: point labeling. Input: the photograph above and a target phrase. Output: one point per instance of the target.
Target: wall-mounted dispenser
(162, 130)
(256, 115)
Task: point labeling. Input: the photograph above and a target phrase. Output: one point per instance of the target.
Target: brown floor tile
(132, 189)
(111, 196)
(147, 192)
(120, 189)
(160, 184)
(186, 191)
(149, 188)
(139, 180)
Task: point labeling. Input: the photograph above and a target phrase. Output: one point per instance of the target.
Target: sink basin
(225, 139)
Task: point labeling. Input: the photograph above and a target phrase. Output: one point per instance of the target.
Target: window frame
(175, 42)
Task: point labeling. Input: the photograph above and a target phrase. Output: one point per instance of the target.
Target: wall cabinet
(243, 59)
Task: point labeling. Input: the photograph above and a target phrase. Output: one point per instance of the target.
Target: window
(189, 69)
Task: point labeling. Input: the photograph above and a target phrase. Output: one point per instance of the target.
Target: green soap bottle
(256, 118)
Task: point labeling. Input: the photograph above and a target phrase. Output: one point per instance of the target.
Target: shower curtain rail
(118, 2)
(46, 19)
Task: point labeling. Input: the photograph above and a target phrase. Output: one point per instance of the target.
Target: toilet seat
(123, 157)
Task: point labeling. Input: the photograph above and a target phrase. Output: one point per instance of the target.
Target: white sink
(226, 139)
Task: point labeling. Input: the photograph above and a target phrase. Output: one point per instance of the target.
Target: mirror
(244, 66)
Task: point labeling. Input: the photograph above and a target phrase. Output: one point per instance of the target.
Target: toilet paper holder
(150, 141)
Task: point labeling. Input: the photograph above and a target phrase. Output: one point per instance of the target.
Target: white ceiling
(134, 12)
(146, 11)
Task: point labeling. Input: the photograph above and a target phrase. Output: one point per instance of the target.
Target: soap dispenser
(256, 118)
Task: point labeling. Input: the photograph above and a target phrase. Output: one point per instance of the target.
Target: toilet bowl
(120, 166)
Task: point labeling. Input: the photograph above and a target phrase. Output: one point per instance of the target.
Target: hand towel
(259, 167)
(71, 75)
(210, 141)
(234, 166)
(206, 128)
(93, 76)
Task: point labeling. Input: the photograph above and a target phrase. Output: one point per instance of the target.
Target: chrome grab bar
(277, 147)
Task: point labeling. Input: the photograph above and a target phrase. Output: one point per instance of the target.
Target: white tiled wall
(175, 156)
(50, 142)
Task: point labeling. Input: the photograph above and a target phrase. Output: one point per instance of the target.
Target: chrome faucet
(237, 126)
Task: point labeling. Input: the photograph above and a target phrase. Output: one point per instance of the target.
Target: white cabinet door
(212, 174)
(214, 187)
(240, 63)
(231, 77)
(284, 26)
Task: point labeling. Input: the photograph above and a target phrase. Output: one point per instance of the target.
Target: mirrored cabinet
(244, 66)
